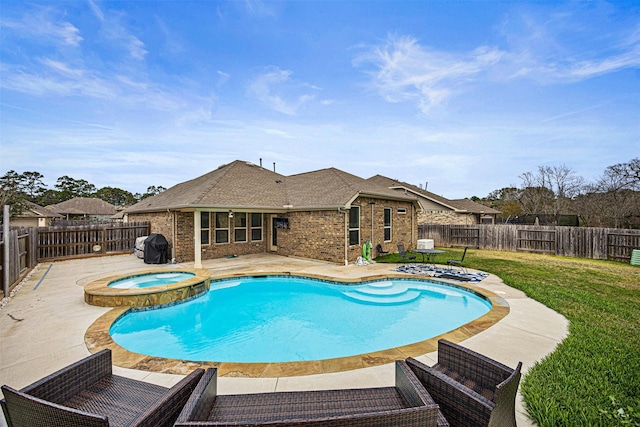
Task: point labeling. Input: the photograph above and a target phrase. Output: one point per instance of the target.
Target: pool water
(285, 319)
(150, 279)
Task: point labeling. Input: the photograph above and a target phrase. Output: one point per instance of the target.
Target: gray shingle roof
(244, 185)
(84, 206)
(458, 205)
(34, 210)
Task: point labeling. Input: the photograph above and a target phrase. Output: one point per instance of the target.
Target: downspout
(346, 236)
(413, 225)
(197, 249)
(372, 235)
(173, 236)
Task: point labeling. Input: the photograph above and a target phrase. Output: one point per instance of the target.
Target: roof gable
(235, 185)
(243, 185)
(458, 205)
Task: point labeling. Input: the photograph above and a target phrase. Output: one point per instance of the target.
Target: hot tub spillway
(99, 292)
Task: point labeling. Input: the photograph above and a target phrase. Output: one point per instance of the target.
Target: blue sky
(466, 96)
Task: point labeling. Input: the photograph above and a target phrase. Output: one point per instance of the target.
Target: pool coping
(97, 337)
(99, 293)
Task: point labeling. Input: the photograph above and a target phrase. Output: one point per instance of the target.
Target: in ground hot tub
(147, 288)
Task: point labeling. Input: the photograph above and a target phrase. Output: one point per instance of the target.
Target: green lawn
(593, 377)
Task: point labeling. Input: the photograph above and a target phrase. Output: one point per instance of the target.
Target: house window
(354, 225)
(240, 227)
(387, 224)
(256, 227)
(402, 211)
(222, 227)
(205, 228)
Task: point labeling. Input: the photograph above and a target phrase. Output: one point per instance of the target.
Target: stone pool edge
(99, 293)
(97, 337)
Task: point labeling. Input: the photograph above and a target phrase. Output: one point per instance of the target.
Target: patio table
(429, 253)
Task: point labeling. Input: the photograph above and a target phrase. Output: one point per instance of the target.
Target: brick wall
(314, 235)
(446, 217)
(311, 234)
(160, 223)
(321, 234)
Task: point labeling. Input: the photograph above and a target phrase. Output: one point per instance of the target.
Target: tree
(614, 200)
(624, 175)
(32, 185)
(50, 197)
(506, 200)
(115, 196)
(70, 188)
(550, 191)
(11, 192)
(152, 191)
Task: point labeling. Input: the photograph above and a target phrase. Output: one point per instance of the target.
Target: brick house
(241, 208)
(436, 209)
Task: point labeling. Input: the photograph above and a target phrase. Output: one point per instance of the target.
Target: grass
(593, 376)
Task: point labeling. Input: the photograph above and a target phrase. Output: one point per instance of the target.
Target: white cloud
(43, 25)
(270, 89)
(406, 71)
(549, 50)
(115, 30)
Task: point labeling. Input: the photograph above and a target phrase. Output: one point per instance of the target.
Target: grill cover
(156, 249)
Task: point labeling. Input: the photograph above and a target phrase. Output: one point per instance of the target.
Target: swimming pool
(285, 319)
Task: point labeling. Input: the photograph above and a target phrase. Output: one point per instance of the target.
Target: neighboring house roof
(33, 210)
(458, 205)
(473, 207)
(84, 206)
(244, 185)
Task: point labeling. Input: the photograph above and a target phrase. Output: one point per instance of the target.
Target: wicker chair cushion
(467, 382)
(265, 407)
(118, 398)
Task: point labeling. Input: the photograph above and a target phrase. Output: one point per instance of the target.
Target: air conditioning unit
(425, 243)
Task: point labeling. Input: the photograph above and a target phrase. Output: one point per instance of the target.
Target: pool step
(395, 296)
(380, 288)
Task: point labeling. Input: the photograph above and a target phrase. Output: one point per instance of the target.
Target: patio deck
(42, 328)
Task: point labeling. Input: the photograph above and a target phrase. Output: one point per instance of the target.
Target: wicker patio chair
(405, 405)
(471, 389)
(87, 394)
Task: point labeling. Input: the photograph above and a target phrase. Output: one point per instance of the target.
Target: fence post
(5, 267)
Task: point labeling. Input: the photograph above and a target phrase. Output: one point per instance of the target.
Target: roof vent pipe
(274, 166)
(260, 161)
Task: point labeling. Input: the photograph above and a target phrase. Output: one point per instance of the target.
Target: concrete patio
(43, 326)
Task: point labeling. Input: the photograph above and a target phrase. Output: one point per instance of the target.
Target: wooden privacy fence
(581, 242)
(28, 246)
(88, 240)
(22, 254)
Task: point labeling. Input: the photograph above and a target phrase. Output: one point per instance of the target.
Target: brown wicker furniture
(406, 405)
(87, 394)
(471, 389)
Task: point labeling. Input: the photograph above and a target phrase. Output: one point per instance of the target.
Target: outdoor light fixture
(230, 214)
